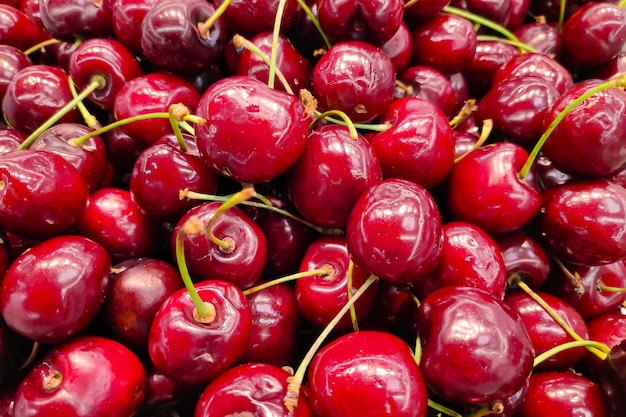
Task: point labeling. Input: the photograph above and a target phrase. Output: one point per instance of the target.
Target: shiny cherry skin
(331, 174)
(537, 64)
(173, 39)
(613, 378)
(122, 151)
(431, 85)
(584, 222)
(320, 297)
(399, 48)
(613, 68)
(251, 18)
(494, 10)
(356, 78)
(137, 289)
(53, 290)
(41, 193)
(17, 29)
(116, 222)
(164, 169)
(469, 339)
(608, 328)
(470, 257)
(238, 105)
(593, 136)
(107, 58)
(89, 367)
(35, 94)
(250, 389)
(524, 257)
(6, 257)
(489, 56)
(419, 145)
(548, 175)
(371, 21)
(10, 140)
(544, 332)
(195, 352)
(510, 405)
(376, 367)
(12, 60)
(241, 263)
(65, 20)
(484, 188)
(543, 37)
(126, 19)
(563, 393)
(395, 231)
(148, 93)
(445, 42)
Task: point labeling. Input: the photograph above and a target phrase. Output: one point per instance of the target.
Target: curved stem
(90, 119)
(520, 45)
(177, 112)
(305, 7)
(243, 195)
(292, 277)
(484, 135)
(205, 27)
(607, 288)
(466, 111)
(275, 34)
(485, 22)
(570, 345)
(381, 127)
(443, 409)
(348, 123)
(40, 45)
(353, 318)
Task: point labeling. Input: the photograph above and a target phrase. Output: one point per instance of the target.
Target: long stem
(607, 288)
(485, 22)
(348, 123)
(90, 119)
(570, 345)
(205, 27)
(292, 277)
(520, 45)
(305, 7)
(559, 24)
(243, 195)
(275, 34)
(40, 45)
(353, 318)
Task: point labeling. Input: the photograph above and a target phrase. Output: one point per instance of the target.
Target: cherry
(174, 36)
(496, 11)
(584, 222)
(417, 11)
(524, 257)
(419, 145)
(356, 78)
(543, 37)
(518, 13)
(608, 328)
(562, 393)
(375, 367)
(507, 407)
(475, 349)
(42, 195)
(165, 396)
(10, 140)
(399, 48)
(445, 42)
(489, 56)
(237, 105)
(91, 367)
(250, 19)
(613, 378)
(66, 20)
(372, 21)
(248, 389)
(431, 85)
(137, 289)
(484, 189)
(331, 174)
(17, 29)
(122, 151)
(537, 64)
(395, 231)
(12, 60)
(193, 351)
(614, 68)
(53, 290)
(126, 19)
(548, 175)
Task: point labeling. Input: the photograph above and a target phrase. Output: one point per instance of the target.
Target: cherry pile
(313, 208)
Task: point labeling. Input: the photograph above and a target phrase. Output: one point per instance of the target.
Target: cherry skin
(251, 18)
(126, 19)
(12, 60)
(395, 231)
(80, 18)
(195, 352)
(399, 48)
(608, 328)
(584, 222)
(537, 64)
(543, 37)
(53, 290)
(496, 11)
(489, 56)
(356, 78)
(424, 10)
(41, 193)
(249, 389)
(431, 85)
(332, 173)
(469, 339)
(238, 105)
(102, 370)
(524, 257)
(419, 145)
(10, 140)
(17, 29)
(375, 367)
(166, 396)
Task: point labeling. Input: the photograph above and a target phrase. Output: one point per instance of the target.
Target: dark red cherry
(42, 195)
(194, 352)
(445, 42)
(68, 19)
(6, 257)
(356, 78)
(249, 389)
(137, 289)
(94, 368)
(153, 92)
(241, 263)
(608, 328)
(431, 85)
(116, 222)
(165, 396)
(251, 18)
(12, 60)
(611, 69)
(584, 222)
(543, 37)
(174, 39)
(122, 151)
(372, 21)
(332, 173)
(419, 145)
(548, 175)
(108, 58)
(53, 290)
(537, 64)
(238, 105)
(395, 231)
(484, 188)
(524, 257)
(10, 140)
(424, 10)
(545, 332)
(17, 29)
(35, 94)
(399, 48)
(489, 56)
(518, 13)
(497, 11)
(376, 367)
(613, 378)
(468, 339)
(506, 407)
(126, 19)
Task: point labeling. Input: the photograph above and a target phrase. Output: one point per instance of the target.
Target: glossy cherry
(399, 48)
(489, 56)
(12, 60)
(126, 19)
(250, 19)
(613, 378)
(17, 29)
(429, 84)
(537, 64)
(608, 328)
(424, 10)
(524, 256)
(10, 140)
(65, 20)
(543, 37)
(494, 10)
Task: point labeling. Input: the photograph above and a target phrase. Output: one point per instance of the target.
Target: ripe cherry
(12, 60)
(17, 29)
(65, 20)
(250, 19)
(431, 85)
(524, 257)
(537, 64)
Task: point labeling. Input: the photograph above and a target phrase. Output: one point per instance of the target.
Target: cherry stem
(484, 135)
(305, 7)
(97, 81)
(619, 82)
(552, 313)
(243, 195)
(41, 45)
(177, 113)
(188, 128)
(559, 24)
(346, 120)
(443, 409)
(495, 407)
(205, 27)
(417, 353)
(31, 357)
(466, 111)
(311, 273)
(280, 9)
(520, 45)
(410, 3)
(208, 197)
(574, 278)
(485, 22)
(90, 119)
(570, 345)
(607, 288)
(380, 127)
(295, 382)
(408, 91)
(353, 318)
(622, 4)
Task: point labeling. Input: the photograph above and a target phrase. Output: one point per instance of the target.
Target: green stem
(622, 4)
(381, 127)
(443, 409)
(348, 123)
(205, 27)
(559, 24)
(520, 45)
(176, 112)
(292, 277)
(40, 45)
(485, 22)
(275, 34)
(305, 7)
(90, 119)
(243, 195)
(97, 81)
(484, 135)
(353, 318)
(570, 345)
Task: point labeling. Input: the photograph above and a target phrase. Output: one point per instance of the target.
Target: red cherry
(126, 19)
(524, 257)
(613, 379)
(250, 19)
(399, 48)
(12, 60)
(65, 20)
(540, 65)
(543, 37)
(431, 85)
(17, 29)
(495, 10)
(608, 328)
(10, 140)
(489, 56)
